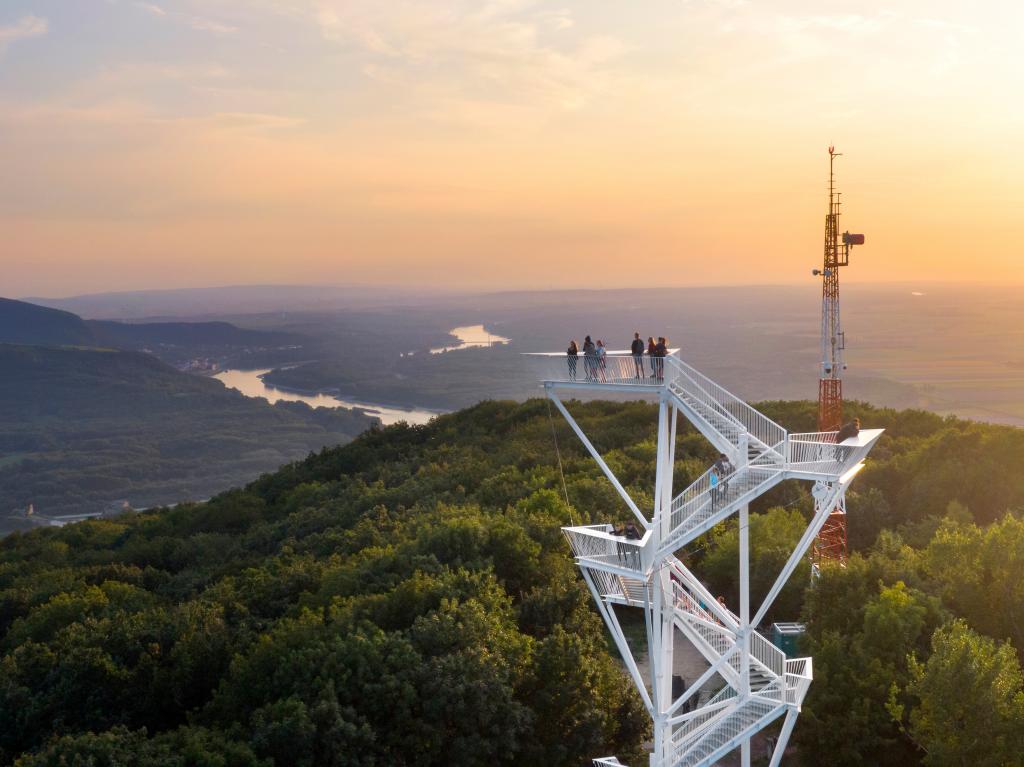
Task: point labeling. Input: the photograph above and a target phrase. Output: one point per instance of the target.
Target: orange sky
(503, 143)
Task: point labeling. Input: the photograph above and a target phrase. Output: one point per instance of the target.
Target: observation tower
(749, 682)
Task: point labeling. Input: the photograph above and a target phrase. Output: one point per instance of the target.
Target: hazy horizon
(434, 290)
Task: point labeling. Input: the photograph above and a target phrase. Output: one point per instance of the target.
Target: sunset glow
(503, 144)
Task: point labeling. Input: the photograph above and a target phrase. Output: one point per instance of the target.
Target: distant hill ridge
(25, 323)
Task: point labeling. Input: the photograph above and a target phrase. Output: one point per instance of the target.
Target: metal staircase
(756, 682)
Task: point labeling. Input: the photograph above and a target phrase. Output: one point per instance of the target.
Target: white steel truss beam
(801, 548)
(612, 621)
(600, 461)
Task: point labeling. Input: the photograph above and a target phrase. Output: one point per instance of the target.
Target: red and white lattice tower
(830, 545)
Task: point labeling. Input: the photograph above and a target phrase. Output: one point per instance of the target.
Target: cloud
(209, 25)
(200, 23)
(153, 8)
(23, 29)
(475, 58)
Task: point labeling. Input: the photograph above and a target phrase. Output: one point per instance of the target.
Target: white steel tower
(749, 682)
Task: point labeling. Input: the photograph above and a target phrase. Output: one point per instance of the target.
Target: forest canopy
(408, 599)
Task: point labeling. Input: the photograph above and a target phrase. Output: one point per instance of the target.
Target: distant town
(35, 519)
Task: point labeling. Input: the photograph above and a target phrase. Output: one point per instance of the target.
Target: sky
(498, 144)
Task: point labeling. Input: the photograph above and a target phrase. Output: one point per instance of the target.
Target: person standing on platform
(661, 352)
(652, 352)
(572, 353)
(589, 358)
(637, 350)
(851, 429)
(602, 359)
(632, 533)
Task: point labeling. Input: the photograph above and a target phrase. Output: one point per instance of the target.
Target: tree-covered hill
(407, 599)
(80, 428)
(24, 323)
(175, 342)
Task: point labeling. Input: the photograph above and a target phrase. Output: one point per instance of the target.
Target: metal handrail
(705, 498)
(767, 654)
(727, 404)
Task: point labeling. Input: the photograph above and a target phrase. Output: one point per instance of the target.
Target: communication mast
(830, 546)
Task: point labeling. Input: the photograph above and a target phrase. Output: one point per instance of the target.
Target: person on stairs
(721, 468)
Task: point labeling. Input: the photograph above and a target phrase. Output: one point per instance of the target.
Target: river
(251, 385)
(470, 336)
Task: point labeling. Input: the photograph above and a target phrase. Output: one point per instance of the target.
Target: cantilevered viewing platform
(615, 368)
(753, 681)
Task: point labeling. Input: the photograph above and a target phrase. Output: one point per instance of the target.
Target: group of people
(594, 359)
(595, 362)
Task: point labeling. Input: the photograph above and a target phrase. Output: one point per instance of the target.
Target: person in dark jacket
(660, 353)
(637, 350)
(632, 533)
(589, 358)
(572, 353)
(851, 429)
(652, 352)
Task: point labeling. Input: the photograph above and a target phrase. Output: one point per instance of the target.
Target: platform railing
(598, 545)
(799, 674)
(818, 452)
(617, 367)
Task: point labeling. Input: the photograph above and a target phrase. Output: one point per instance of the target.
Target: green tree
(969, 701)
(978, 573)
(845, 714)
